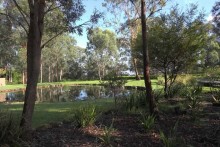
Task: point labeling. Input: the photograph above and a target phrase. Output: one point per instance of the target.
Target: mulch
(130, 133)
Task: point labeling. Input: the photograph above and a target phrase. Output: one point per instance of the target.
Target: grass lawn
(45, 113)
(96, 82)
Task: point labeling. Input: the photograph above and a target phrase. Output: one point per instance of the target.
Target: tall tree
(102, 47)
(126, 27)
(146, 67)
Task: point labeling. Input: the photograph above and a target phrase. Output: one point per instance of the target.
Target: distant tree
(102, 48)
(216, 17)
(211, 52)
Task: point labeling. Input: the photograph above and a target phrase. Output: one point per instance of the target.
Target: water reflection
(66, 93)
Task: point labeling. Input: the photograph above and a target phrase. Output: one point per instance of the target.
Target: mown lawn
(45, 113)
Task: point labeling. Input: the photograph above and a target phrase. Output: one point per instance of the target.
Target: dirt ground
(128, 131)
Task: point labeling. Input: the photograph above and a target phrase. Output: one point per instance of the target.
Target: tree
(127, 27)
(216, 18)
(175, 42)
(34, 23)
(55, 57)
(102, 48)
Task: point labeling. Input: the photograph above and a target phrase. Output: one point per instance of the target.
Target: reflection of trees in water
(71, 93)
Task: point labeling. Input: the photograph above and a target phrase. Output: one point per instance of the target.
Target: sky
(90, 5)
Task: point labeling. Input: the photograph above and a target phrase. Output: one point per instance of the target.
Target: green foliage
(113, 80)
(107, 136)
(147, 121)
(84, 116)
(135, 101)
(2, 72)
(101, 50)
(9, 129)
(177, 89)
(194, 96)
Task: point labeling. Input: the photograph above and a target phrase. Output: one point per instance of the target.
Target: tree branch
(26, 31)
(43, 45)
(24, 15)
(51, 9)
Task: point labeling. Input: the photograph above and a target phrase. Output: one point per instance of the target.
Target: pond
(66, 93)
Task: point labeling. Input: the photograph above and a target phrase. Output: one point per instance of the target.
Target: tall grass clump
(135, 101)
(172, 139)
(9, 130)
(84, 116)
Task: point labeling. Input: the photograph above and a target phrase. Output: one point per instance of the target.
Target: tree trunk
(99, 72)
(23, 76)
(61, 74)
(41, 72)
(165, 83)
(33, 63)
(149, 94)
(49, 74)
(136, 69)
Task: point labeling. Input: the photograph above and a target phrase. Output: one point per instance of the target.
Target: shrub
(147, 121)
(113, 80)
(84, 116)
(177, 89)
(194, 96)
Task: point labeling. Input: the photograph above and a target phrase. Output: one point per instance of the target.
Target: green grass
(94, 82)
(45, 113)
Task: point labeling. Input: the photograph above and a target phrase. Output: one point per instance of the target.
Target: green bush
(194, 96)
(9, 130)
(84, 116)
(147, 121)
(113, 80)
(177, 89)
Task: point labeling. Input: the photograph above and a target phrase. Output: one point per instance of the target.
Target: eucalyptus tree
(102, 48)
(55, 57)
(126, 23)
(33, 14)
(76, 64)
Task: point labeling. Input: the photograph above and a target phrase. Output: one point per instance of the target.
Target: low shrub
(147, 121)
(84, 116)
(177, 89)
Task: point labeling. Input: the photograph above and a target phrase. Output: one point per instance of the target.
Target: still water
(66, 93)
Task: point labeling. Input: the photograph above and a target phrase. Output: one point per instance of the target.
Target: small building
(2, 81)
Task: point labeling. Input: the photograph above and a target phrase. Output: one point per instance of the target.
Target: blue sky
(90, 5)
